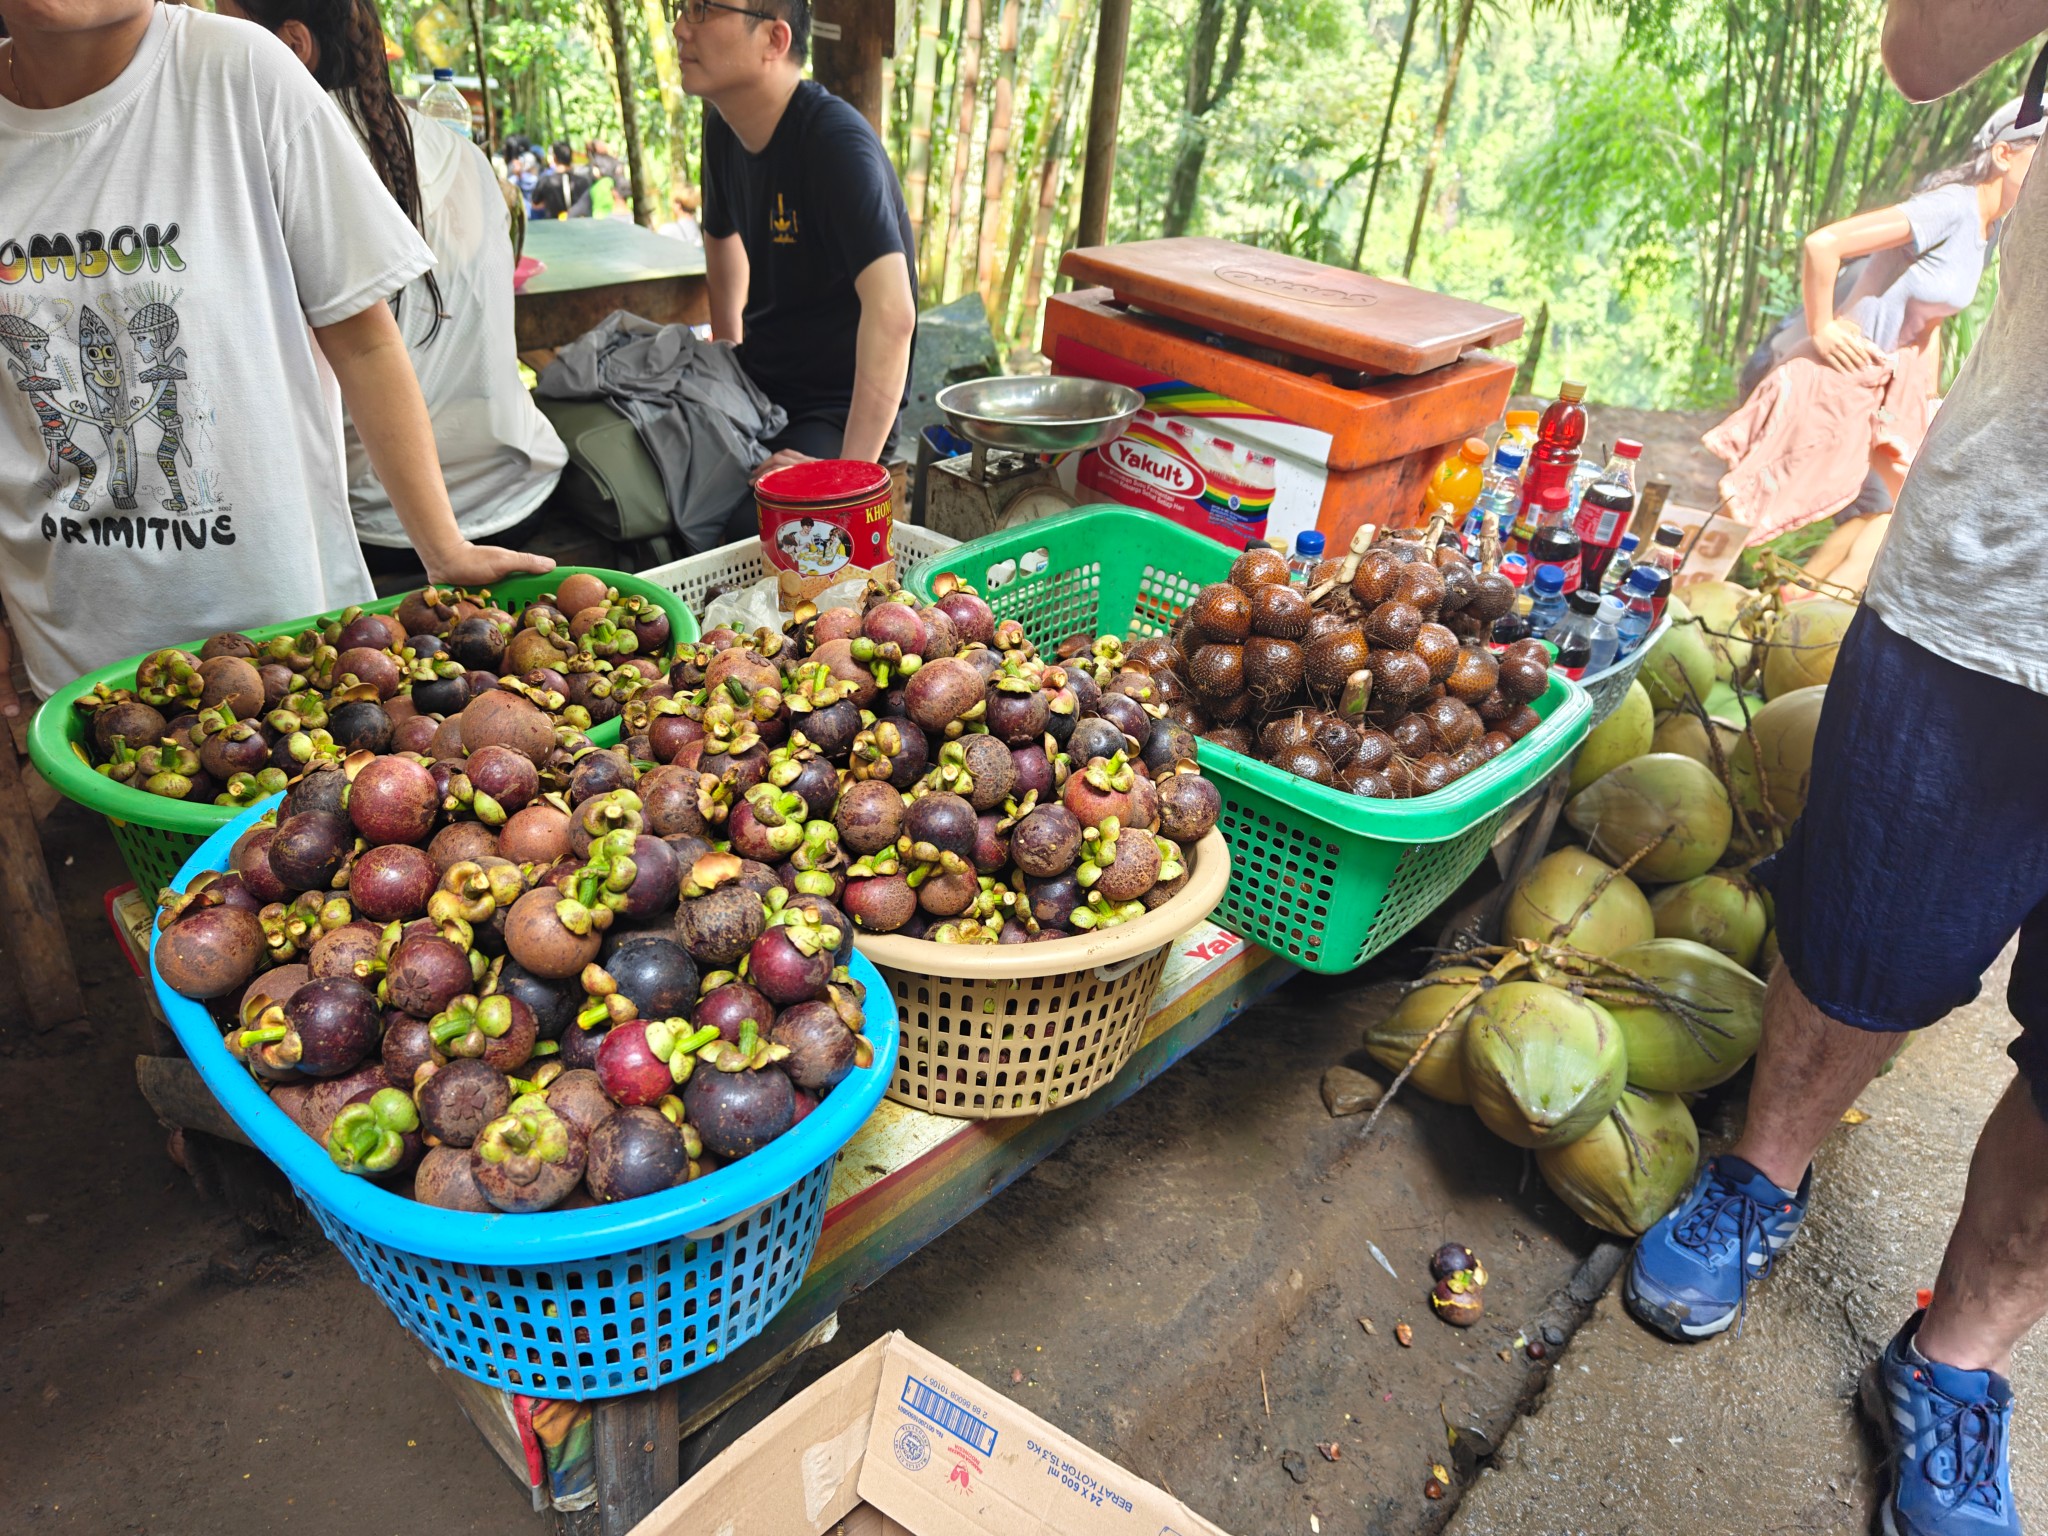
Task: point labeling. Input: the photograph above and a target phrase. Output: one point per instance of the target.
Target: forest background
(1635, 176)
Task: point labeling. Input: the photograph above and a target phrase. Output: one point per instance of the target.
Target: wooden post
(1112, 47)
(849, 65)
(28, 906)
(639, 1456)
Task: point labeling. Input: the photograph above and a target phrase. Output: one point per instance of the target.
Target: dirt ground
(1671, 445)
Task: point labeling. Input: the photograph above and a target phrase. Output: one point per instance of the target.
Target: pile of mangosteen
(569, 998)
(1374, 677)
(237, 721)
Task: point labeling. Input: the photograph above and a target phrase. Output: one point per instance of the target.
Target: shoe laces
(1724, 1214)
(1973, 1435)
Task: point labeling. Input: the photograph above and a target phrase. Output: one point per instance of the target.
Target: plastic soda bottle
(1639, 608)
(1573, 634)
(1554, 542)
(444, 104)
(1606, 634)
(1457, 482)
(1603, 517)
(1663, 559)
(1308, 554)
(1546, 591)
(1556, 453)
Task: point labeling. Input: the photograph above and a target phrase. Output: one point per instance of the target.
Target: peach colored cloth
(1799, 447)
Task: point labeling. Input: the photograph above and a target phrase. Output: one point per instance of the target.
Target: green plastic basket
(1322, 877)
(156, 836)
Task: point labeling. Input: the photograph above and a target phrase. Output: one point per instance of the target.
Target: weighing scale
(1020, 427)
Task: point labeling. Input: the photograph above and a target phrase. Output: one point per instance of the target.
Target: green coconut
(1625, 1173)
(1725, 705)
(1392, 1041)
(1675, 1054)
(1622, 735)
(1719, 909)
(1558, 886)
(1662, 793)
(1801, 651)
(1783, 730)
(1685, 733)
(1717, 608)
(1678, 668)
(1543, 1067)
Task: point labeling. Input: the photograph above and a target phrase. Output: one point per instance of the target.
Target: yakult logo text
(1156, 467)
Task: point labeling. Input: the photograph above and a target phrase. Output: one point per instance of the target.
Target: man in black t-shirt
(562, 189)
(807, 245)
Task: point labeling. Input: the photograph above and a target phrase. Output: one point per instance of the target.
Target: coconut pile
(1629, 977)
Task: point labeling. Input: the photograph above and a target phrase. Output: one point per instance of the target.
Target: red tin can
(826, 521)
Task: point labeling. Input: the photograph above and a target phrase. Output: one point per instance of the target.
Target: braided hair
(351, 60)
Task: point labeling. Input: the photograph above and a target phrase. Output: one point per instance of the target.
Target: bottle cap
(1643, 579)
(1516, 420)
(1670, 535)
(1584, 600)
(1549, 580)
(1627, 448)
(1571, 390)
(444, 74)
(1628, 543)
(1554, 498)
(1475, 449)
(1510, 454)
(1308, 542)
(1515, 568)
(1611, 608)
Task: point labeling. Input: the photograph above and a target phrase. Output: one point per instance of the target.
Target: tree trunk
(1059, 114)
(1436, 135)
(1532, 350)
(995, 159)
(1379, 159)
(661, 41)
(483, 76)
(924, 88)
(629, 113)
(1205, 90)
(1066, 29)
(969, 84)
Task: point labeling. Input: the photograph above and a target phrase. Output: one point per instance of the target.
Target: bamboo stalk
(1379, 160)
(629, 112)
(1051, 171)
(1452, 65)
(923, 90)
(968, 78)
(1020, 220)
(996, 158)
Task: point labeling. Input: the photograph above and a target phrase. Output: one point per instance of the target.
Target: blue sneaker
(1690, 1274)
(1946, 1431)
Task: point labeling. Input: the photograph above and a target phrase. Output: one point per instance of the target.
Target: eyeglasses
(696, 11)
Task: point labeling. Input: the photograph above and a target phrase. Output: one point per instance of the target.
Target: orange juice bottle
(1457, 482)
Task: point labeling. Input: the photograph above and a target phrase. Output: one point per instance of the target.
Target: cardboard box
(1711, 546)
(896, 1442)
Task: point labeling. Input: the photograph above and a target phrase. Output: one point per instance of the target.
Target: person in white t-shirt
(499, 454)
(195, 256)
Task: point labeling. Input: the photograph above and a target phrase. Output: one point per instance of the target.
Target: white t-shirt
(498, 453)
(170, 438)
(1965, 566)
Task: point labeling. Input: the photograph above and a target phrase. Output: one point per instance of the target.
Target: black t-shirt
(562, 191)
(813, 209)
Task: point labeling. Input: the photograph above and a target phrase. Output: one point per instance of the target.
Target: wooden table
(591, 267)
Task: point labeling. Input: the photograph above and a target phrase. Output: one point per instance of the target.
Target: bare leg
(1993, 1285)
(1855, 571)
(1808, 1070)
(1834, 549)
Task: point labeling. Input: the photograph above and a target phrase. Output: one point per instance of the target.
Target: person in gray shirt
(1921, 853)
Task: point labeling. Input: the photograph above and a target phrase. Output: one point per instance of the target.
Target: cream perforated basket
(994, 1030)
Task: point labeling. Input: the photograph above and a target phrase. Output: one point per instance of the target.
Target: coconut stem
(1600, 886)
(1506, 966)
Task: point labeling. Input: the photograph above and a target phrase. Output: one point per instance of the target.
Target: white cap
(1612, 608)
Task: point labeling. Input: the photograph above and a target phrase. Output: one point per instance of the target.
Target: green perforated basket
(1322, 877)
(156, 836)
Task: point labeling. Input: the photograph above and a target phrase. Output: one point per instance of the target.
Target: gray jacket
(701, 419)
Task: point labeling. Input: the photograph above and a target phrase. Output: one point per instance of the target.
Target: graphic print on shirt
(98, 400)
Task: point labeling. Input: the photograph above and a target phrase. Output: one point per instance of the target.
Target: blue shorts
(1923, 847)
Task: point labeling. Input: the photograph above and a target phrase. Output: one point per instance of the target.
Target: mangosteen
(250, 859)
(391, 883)
(1127, 715)
(497, 1030)
(458, 1100)
(654, 975)
(768, 824)
(408, 1046)
(393, 800)
(831, 729)
(462, 842)
(537, 835)
(893, 749)
(615, 811)
(719, 917)
(991, 843)
(1047, 841)
(1188, 807)
(643, 1060)
(477, 643)
(938, 823)
(991, 773)
(425, 974)
(1100, 791)
(1095, 737)
(446, 1179)
(579, 1047)
(310, 849)
(879, 903)
(502, 718)
(950, 886)
(376, 1134)
(822, 1049)
(129, 721)
(501, 782)
(210, 951)
(811, 778)
(869, 815)
(1166, 744)
(361, 725)
(637, 1151)
(677, 802)
(944, 693)
(656, 879)
(599, 773)
(528, 1160)
(323, 788)
(727, 1007)
(1018, 710)
(1034, 768)
(327, 1028)
(1122, 868)
(791, 962)
(738, 1098)
(580, 1099)
(552, 1003)
(1055, 899)
(538, 934)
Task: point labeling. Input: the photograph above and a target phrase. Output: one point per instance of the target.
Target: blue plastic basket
(567, 1304)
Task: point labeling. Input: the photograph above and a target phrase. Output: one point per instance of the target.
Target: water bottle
(1573, 634)
(1639, 604)
(1502, 492)
(1583, 476)
(1623, 562)
(444, 104)
(1308, 554)
(1606, 635)
(1546, 588)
